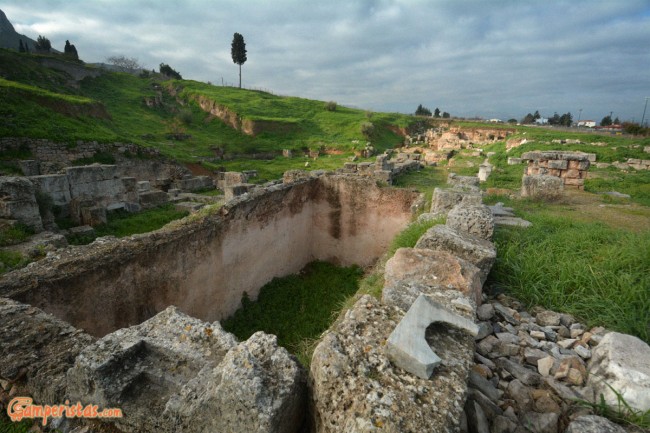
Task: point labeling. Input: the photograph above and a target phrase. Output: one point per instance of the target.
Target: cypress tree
(238, 52)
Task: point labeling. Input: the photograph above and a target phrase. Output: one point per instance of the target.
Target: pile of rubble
(532, 368)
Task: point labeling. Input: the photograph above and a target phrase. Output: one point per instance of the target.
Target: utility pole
(644, 108)
(579, 117)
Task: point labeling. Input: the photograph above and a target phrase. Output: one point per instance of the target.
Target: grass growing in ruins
(598, 273)
(14, 235)
(271, 169)
(10, 260)
(121, 223)
(297, 308)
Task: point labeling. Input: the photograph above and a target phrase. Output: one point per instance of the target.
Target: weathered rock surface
(480, 252)
(53, 346)
(622, 362)
(593, 424)
(356, 387)
(168, 372)
(542, 186)
(18, 202)
(476, 220)
(438, 269)
(444, 200)
(468, 183)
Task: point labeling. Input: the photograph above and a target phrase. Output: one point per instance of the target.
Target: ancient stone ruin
(133, 322)
(571, 167)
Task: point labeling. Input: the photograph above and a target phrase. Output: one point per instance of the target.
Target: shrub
(367, 129)
(185, 115)
(330, 106)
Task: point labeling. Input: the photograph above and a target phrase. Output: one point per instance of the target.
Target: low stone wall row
(356, 385)
(52, 156)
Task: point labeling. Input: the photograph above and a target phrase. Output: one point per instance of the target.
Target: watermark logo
(20, 408)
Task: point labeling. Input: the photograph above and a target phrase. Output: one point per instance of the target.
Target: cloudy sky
(489, 58)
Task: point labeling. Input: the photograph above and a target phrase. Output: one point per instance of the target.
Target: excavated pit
(203, 264)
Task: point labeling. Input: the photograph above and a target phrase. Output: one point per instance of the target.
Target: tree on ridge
(238, 52)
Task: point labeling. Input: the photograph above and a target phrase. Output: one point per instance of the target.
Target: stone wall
(204, 264)
(49, 157)
(356, 385)
(571, 167)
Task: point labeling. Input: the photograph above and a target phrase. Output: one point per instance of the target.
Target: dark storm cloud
(489, 58)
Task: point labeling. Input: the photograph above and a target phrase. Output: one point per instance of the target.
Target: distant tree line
(43, 45)
(564, 120)
(424, 111)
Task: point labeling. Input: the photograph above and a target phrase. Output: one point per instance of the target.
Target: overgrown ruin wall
(204, 264)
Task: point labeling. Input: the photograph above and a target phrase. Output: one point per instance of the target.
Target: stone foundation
(571, 167)
(203, 265)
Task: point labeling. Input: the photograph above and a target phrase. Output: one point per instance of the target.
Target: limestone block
(593, 424)
(574, 182)
(130, 184)
(406, 346)
(17, 201)
(558, 164)
(514, 161)
(26, 331)
(233, 191)
(93, 216)
(478, 251)
(188, 206)
(541, 187)
(469, 183)
(144, 186)
(439, 269)
(29, 167)
(151, 199)
(54, 185)
(484, 172)
(290, 176)
(167, 372)
(90, 173)
(444, 200)
(382, 162)
(384, 176)
(357, 389)
(621, 361)
(476, 220)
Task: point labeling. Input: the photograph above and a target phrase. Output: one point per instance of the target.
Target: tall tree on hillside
(238, 52)
(43, 44)
(607, 120)
(436, 112)
(21, 47)
(70, 50)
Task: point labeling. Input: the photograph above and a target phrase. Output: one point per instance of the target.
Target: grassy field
(599, 273)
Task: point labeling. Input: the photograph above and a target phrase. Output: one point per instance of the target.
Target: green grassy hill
(42, 102)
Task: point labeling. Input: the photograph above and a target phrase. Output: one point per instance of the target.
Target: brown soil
(198, 169)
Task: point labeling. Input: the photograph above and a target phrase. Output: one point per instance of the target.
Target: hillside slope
(178, 117)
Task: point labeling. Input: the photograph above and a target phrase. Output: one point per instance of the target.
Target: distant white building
(495, 121)
(542, 121)
(587, 123)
